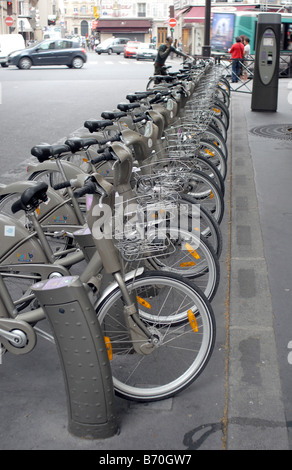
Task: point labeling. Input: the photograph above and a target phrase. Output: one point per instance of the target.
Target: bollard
(83, 355)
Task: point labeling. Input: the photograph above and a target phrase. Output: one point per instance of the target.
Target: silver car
(112, 45)
(146, 51)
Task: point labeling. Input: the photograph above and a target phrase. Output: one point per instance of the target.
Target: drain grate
(280, 131)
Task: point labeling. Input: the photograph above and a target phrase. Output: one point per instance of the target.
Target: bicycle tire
(216, 138)
(181, 353)
(190, 255)
(206, 166)
(205, 191)
(219, 126)
(151, 84)
(222, 95)
(211, 152)
(221, 112)
(209, 227)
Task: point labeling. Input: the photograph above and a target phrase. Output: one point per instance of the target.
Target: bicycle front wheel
(182, 320)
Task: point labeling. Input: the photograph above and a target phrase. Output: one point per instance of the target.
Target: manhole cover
(280, 131)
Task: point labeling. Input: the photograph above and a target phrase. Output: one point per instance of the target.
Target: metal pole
(206, 49)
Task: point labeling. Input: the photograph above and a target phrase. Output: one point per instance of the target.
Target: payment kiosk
(267, 56)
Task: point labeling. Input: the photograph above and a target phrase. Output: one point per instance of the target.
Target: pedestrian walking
(236, 51)
(163, 52)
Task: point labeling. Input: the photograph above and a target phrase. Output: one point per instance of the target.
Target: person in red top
(236, 51)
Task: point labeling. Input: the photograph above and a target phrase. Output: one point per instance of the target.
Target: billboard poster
(222, 31)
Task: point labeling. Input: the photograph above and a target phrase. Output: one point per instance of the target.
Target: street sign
(172, 22)
(9, 21)
(95, 13)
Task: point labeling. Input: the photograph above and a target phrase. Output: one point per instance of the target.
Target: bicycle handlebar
(64, 184)
(90, 187)
(105, 157)
(77, 143)
(114, 138)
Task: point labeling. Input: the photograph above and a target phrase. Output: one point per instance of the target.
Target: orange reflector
(37, 210)
(192, 251)
(211, 195)
(212, 154)
(109, 348)
(216, 110)
(193, 321)
(85, 160)
(143, 302)
(187, 264)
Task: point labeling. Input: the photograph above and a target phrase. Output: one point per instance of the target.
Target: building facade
(136, 19)
(146, 21)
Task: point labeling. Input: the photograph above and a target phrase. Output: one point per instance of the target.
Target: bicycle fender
(131, 275)
(70, 169)
(54, 212)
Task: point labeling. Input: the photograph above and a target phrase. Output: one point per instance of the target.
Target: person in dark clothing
(163, 52)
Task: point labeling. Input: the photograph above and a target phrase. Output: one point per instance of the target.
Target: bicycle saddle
(93, 124)
(45, 151)
(113, 114)
(31, 198)
(127, 106)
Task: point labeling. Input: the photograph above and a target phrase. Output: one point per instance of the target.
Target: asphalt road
(46, 104)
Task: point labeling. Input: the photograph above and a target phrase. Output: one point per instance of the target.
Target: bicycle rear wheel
(182, 320)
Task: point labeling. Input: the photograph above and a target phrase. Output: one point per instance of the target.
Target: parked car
(131, 48)
(111, 45)
(146, 51)
(50, 52)
(9, 43)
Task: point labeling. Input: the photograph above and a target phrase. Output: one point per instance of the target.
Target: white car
(146, 51)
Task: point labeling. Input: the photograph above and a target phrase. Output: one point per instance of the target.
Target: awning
(23, 25)
(195, 15)
(178, 13)
(123, 25)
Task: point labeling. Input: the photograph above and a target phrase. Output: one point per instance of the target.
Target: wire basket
(163, 176)
(141, 231)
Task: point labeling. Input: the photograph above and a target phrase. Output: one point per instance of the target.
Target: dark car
(50, 52)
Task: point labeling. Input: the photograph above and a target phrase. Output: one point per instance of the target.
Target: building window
(141, 9)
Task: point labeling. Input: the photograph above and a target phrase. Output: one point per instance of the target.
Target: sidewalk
(238, 401)
(256, 414)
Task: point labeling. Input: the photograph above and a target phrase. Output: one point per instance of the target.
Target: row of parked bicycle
(134, 206)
